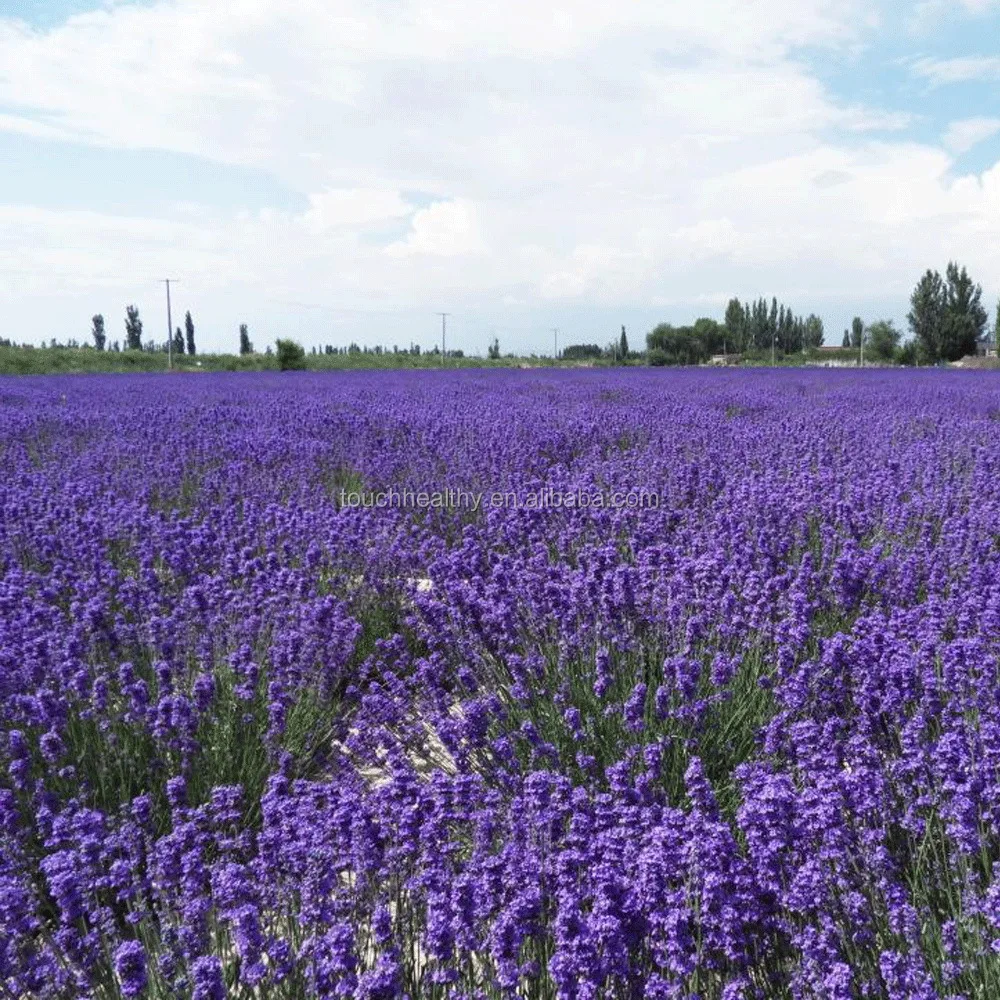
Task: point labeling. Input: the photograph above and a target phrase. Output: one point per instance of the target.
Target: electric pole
(170, 326)
(444, 321)
(555, 343)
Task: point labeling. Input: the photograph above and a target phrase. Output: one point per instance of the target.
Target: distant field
(74, 360)
(542, 684)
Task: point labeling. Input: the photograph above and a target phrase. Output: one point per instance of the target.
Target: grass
(30, 360)
(86, 360)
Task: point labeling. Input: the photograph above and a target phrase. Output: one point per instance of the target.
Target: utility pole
(444, 320)
(862, 348)
(555, 343)
(170, 326)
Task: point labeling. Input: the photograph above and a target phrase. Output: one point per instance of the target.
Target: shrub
(291, 356)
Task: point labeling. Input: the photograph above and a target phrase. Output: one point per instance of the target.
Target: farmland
(260, 740)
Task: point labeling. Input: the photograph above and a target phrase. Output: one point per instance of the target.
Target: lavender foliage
(743, 745)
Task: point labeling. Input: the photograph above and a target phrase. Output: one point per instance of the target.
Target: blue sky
(341, 171)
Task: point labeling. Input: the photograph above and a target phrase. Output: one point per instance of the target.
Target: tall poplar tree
(97, 332)
(133, 329)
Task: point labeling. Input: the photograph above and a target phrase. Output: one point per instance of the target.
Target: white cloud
(19, 125)
(961, 69)
(355, 208)
(302, 87)
(444, 229)
(962, 135)
(591, 153)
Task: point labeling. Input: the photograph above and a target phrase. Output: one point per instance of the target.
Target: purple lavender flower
(130, 968)
(206, 978)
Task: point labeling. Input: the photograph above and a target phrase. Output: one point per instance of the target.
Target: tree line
(947, 321)
(182, 342)
(756, 327)
(616, 350)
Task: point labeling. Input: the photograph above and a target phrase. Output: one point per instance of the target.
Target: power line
(170, 326)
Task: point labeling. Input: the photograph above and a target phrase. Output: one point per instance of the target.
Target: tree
(736, 325)
(762, 331)
(97, 332)
(846, 342)
(493, 352)
(791, 331)
(189, 330)
(883, 339)
(670, 345)
(926, 316)
(133, 329)
(178, 341)
(623, 346)
(291, 356)
(965, 318)
(581, 352)
(812, 334)
(247, 348)
(947, 315)
(857, 331)
(710, 333)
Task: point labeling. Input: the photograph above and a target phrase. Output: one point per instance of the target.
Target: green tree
(133, 329)
(291, 356)
(846, 342)
(813, 333)
(964, 316)
(758, 326)
(623, 346)
(189, 330)
(907, 353)
(883, 339)
(710, 333)
(736, 325)
(493, 352)
(97, 332)
(670, 345)
(246, 347)
(857, 331)
(926, 316)
(178, 341)
(581, 352)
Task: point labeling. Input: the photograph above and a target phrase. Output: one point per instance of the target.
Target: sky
(344, 170)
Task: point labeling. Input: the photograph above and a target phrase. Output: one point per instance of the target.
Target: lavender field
(740, 741)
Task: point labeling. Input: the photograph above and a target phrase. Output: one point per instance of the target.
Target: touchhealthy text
(543, 499)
